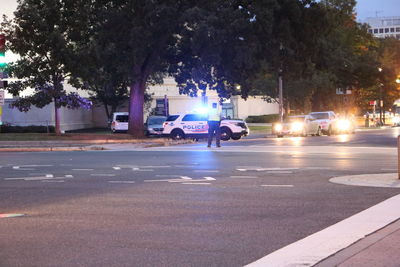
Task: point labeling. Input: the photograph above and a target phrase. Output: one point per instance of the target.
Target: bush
(263, 118)
(26, 129)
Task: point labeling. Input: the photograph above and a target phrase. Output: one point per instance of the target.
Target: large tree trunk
(136, 102)
(57, 118)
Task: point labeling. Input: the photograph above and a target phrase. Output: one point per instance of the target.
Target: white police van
(194, 125)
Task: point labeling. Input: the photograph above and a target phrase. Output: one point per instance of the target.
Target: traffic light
(2, 51)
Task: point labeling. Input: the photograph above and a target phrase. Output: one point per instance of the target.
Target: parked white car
(194, 125)
(119, 122)
(301, 125)
(326, 121)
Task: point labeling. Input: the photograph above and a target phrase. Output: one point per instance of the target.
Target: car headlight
(296, 127)
(278, 127)
(343, 125)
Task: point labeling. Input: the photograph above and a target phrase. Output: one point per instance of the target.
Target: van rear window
(122, 118)
(172, 117)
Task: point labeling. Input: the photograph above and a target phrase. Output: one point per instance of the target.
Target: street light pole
(280, 84)
(380, 99)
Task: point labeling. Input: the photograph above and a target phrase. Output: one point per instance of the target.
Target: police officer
(214, 121)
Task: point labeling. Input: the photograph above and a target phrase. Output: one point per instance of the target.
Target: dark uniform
(214, 122)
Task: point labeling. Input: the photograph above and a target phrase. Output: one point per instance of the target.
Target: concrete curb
(48, 146)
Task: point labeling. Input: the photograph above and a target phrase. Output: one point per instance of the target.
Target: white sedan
(297, 125)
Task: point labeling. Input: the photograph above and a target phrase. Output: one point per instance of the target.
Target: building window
(375, 30)
(391, 29)
(370, 31)
(386, 30)
(397, 29)
(381, 30)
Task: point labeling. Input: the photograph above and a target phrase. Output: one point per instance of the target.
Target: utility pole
(280, 84)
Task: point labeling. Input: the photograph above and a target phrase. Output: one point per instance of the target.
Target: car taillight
(113, 123)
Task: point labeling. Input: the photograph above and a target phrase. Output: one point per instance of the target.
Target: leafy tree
(39, 34)
(140, 35)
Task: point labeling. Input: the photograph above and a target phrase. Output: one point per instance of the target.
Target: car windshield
(320, 116)
(156, 120)
(122, 118)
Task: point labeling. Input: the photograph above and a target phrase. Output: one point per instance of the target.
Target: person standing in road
(214, 121)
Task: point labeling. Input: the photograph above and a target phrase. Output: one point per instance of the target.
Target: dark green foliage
(26, 129)
(263, 118)
(39, 34)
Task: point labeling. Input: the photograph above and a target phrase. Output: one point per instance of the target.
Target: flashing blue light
(201, 110)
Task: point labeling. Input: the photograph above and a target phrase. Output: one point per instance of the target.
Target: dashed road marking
(83, 169)
(279, 172)
(213, 171)
(197, 183)
(277, 185)
(245, 177)
(116, 168)
(52, 181)
(122, 182)
(102, 174)
(11, 215)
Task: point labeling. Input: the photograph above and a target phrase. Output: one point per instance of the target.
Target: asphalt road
(183, 205)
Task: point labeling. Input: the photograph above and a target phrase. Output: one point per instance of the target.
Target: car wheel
(318, 133)
(177, 134)
(329, 132)
(226, 134)
(237, 137)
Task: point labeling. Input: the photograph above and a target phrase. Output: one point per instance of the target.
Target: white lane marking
(247, 177)
(168, 175)
(30, 166)
(52, 181)
(83, 169)
(318, 246)
(213, 171)
(241, 170)
(318, 168)
(144, 170)
(38, 178)
(186, 178)
(102, 174)
(277, 185)
(122, 182)
(69, 176)
(279, 172)
(186, 166)
(210, 178)
(197, 183)
(116, 168)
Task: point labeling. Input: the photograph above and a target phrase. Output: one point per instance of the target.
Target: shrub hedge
(263, 118)
(26, 129)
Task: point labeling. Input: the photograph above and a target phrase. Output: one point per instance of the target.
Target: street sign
(372, 103)
(1, 97)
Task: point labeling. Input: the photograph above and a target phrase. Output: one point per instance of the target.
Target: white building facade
(236, 107)
(382, 27)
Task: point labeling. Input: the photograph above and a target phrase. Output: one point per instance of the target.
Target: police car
(194, 125)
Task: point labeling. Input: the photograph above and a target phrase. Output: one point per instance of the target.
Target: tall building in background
(382, 27)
